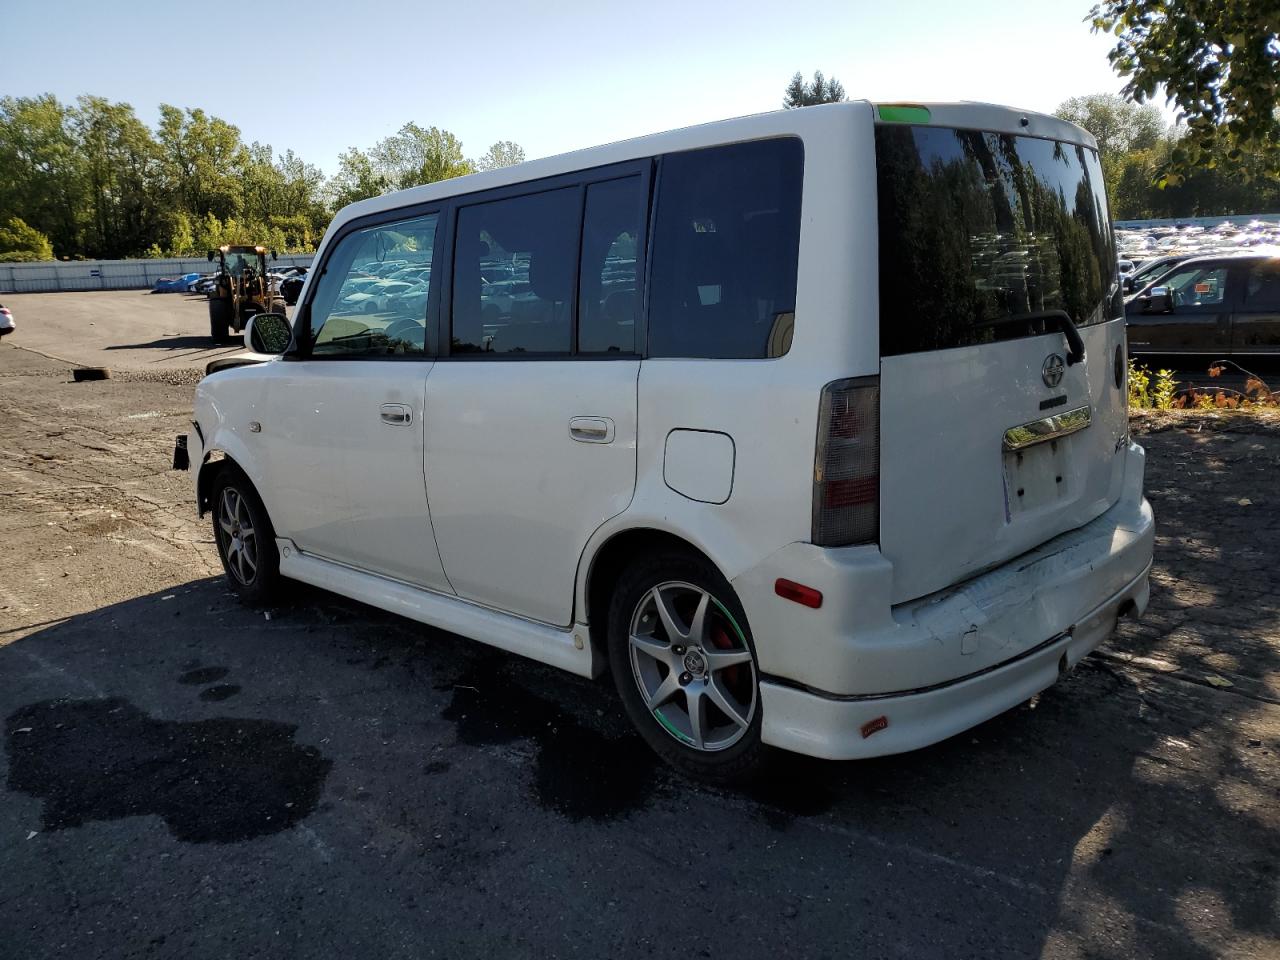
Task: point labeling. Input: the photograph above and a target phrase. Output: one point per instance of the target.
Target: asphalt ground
(152, 333)
(184, 776)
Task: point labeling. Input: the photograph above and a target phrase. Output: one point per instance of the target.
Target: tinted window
(1197, 286)
(725, 245)
(607, 293)
(362, 308)
(981, 232)
(515, 270)
(1262, 291)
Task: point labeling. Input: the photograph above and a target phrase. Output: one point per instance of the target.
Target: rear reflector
(846, 471)
(790, 590)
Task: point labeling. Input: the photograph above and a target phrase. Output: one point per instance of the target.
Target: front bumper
(861, 678)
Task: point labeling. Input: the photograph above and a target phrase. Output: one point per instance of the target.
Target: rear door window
(987, 236)
(611, 230)
(515, 274)
(1262, 289)
(725, 248)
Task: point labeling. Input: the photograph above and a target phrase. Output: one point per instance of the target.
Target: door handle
(396, 414)
(591, 429)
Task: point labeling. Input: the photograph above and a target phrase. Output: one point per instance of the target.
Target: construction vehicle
(242, 288)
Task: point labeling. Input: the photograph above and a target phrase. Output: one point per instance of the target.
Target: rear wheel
(219, 320)
(245, 538)
(685, 666)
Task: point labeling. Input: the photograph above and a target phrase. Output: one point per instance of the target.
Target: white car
(764, 437)
(7, 326)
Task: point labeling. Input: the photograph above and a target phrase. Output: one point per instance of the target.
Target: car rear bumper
(871, 726)
(935, 666)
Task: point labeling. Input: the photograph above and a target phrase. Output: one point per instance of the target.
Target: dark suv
(1224, 305)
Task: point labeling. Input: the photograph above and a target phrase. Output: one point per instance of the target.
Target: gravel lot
(186, 777)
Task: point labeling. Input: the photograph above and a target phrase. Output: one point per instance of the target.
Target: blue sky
(553, 76)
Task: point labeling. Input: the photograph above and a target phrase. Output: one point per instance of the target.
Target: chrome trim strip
(1047, 428)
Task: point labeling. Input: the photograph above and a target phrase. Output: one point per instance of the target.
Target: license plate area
(1036, 477)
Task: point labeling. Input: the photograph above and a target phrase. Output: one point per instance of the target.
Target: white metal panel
(514, 497)
(949, 503)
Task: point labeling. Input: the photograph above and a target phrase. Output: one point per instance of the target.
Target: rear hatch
(997, 264)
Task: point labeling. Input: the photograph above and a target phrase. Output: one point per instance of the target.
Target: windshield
(237, 263)
(979, 230)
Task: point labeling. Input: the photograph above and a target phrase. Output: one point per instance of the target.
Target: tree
(1218, 60)
(1118, 125)
(504, 153)
(119, 158)
(820, 90)
(42, 177)
(417, 155)
(356, 179)
(20, 243)
(201, 162)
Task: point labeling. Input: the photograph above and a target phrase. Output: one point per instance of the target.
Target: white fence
(56, 275)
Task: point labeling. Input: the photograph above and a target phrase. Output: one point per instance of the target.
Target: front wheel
(685, 666)
(245, 538)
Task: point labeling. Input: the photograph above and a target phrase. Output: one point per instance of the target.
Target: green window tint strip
(903, 113)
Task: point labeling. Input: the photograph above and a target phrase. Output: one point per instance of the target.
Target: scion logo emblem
(1052, 371)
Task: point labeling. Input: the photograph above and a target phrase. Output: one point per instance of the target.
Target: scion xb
(809, 428)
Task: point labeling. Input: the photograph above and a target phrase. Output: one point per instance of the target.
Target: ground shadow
(176, 343)
(221, 780)
(428, 779)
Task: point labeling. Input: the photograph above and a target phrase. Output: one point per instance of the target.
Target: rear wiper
(1051, 319)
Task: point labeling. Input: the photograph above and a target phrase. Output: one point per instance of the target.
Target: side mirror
(267, 333)
(274, 255)
(211, 256)
(1157, 300)
(1128, 284)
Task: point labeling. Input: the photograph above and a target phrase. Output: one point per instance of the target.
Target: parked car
(291, 285)
(1224, 305)
(7, 326)
(782, 505)
(176, 284)
(1150, 270)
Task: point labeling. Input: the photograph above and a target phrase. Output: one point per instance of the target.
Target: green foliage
(95, 181)
(1136, 153)
(20, 243)
(1118, 125)
(504, 153)
(1218, 60)
(820, 90)
(1148, 391)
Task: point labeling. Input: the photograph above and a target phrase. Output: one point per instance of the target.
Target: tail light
(846, 470)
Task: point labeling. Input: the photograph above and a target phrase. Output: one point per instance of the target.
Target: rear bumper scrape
(876, 725)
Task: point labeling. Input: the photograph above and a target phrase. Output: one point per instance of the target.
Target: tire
(250, 560)
(681, 679)
(219, 320)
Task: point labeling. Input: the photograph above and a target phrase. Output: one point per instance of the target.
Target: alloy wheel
(239, 541)
(692, 665)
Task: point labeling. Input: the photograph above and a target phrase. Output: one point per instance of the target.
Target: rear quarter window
(725, 247)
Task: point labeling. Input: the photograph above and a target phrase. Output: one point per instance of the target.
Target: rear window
(986, 236)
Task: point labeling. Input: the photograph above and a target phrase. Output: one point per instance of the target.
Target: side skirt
(567, 649)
